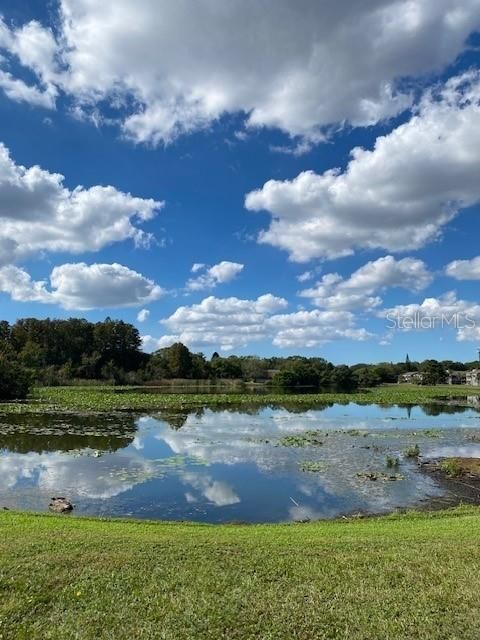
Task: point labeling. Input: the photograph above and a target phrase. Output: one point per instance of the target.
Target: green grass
(400, 577)
(108, 399)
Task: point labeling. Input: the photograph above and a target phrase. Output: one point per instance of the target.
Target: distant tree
(342, 379)
(433, 372)
(32, 355)
(200, 367)
(15, 381)
(226, 368)
(179, 360)
(118, 342)
(254, 368)
(366, 377)
(5, 331)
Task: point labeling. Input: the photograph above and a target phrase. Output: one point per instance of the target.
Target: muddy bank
(460, 477)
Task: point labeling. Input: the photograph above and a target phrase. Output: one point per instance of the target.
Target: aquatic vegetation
(412, 452)
(140, 399)
(473, 437)
(305, 439)
(392, 462)
(451, 467)
(356, 433)
(378, 475)
(431, 433)
(308, 466)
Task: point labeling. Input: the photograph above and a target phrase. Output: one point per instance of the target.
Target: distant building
(412, 377)
(456, 377)
(473, 377)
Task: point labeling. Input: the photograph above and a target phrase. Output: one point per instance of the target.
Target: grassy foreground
(104, 398)
(397, 577)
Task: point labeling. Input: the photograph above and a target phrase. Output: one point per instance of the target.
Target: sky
(250, 177)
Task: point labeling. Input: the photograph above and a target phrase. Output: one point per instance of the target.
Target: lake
(217, 465)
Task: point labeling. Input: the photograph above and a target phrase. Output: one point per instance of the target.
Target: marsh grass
(412, 451)
(451, 467)
(392, 462)
(117, 399)
(304, 439)
(309, 466)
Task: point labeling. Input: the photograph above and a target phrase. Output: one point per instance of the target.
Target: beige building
(413, 377)
(473, 378)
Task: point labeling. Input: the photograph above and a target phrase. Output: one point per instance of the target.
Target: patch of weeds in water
(412, 452)
(451, 467)
(356, 433)
(432, 433)
(256, 440)
(473, 437)
(392, 462)
(378, 475)
(308, 466)
(308, 438)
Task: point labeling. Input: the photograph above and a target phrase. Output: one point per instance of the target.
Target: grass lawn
(397, 577)
(107, 398)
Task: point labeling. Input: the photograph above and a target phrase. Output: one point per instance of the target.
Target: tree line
(56, 352)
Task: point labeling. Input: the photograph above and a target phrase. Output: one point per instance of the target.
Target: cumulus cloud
(464, 269)
(37, 213)
(217, 492)
(314, 328)
(229, 323)
(210, 277)
(143, 315)
(225, 323)
(358, 291)
(397, 196)
(81, 286)
(296, 67)
(305, 276)
(35, 47)
(444, 312)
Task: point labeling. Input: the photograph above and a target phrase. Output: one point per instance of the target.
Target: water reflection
(216, 465)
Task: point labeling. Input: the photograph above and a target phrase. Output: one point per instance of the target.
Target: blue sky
(226, 144)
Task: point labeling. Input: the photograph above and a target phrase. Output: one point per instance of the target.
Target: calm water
(221, 466)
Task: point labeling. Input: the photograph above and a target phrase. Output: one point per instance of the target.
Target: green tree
(179, 360)
(434, 372)
(15, 381)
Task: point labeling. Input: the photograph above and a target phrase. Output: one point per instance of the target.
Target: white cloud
(81, 286)
(443, 313)
(220, 273)
(464, 269)
(19, 91)
(225, 323)
(314, 328)
(37, 213)
(358, 291)
(35, 48)
(231, 322)
(305, 276)
(299, 68)
(397, 196)
(217, 492)
(143, 315)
